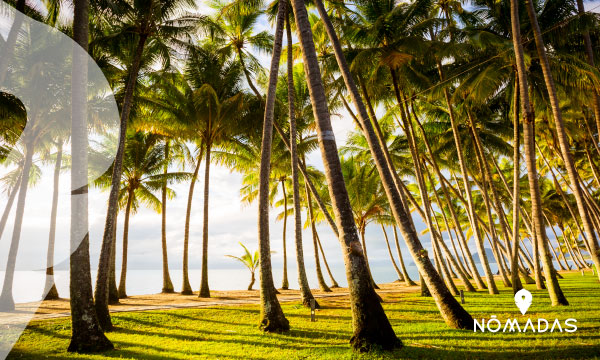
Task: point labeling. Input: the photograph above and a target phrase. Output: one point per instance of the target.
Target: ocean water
(29, 285)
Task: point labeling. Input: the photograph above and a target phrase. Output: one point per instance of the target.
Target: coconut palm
(248, 260)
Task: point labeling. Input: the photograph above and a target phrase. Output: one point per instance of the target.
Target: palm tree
(272, 317)
(565, 151)
(50, 292)
(556, 294)
(371, 325)
(248, 260)
(86, 333)
(453, 313)
(160, 23)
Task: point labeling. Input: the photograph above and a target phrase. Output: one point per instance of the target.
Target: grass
(230, 332)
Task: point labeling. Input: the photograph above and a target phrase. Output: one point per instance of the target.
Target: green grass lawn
(232, 333)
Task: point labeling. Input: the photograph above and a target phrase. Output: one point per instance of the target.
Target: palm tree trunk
(50, 292)
(101, 291)
(11, 39)
(204, 290)
(186, 287)
(320, 278)
(284, 283)
(11, 199)
(470, 208)
(463, 241)
(311, 186)
(86, 333)
(371, 326)
(364, 246)
(552, 247)
(516, 281)
(272, 318)
(252, 280)
(387, 242)
(334, 283)
(7, 303)
(113, 291)
(407, 279)
(167, 284)
(554, 290)
(590, 59)
(564, 146)
(123, 277)
(305, 292)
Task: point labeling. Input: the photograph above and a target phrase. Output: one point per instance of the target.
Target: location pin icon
(523, 300)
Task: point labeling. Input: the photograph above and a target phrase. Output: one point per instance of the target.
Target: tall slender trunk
(7, 302)
(463, 241)
(113, 291)
(186, 288)
(123, 277)
(50, 292)
(320, 279)
(361, 231)
(204, 290)
(272, 318)
(101, 291)
(284, 283)
(11, 199)
(590, 59)
(407, 280)
(334, 283)
(167, 283)
(563, 141)
(470, 206)
(371, 326)
(86, 329)
(11, 39)
(516, 281)
(554, 290)
(387, 242)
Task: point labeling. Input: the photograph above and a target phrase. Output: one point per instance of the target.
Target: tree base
(91, 344)
(7, 304)
(306, 303)
(187, 292)
(52, 294)
(278, 324)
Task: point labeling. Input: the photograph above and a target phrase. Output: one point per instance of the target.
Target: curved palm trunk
(493, 237)
(320, 279)
(407, 279)
(334, 283)
(563, 142)
(590, 59)
(373, 326)
(470, 206)
(186, 287)
(554, 290)
(123, 277)
(50, 292)
(284, 283)
(272, 318)
(86, 333)
(252, 280)
(387, 242)
(204, 290)
(463, 241)
(167, 284)
(101, 291)
(7, 302)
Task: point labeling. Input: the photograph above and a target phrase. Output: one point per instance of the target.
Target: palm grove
(481, 120)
